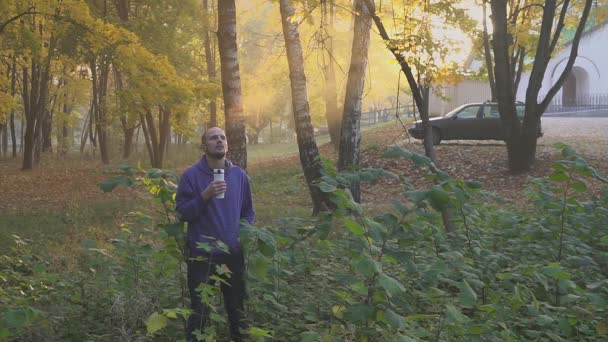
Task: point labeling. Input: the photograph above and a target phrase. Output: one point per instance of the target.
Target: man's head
(214, 142)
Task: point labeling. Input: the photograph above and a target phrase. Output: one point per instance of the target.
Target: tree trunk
(332, 114)
(128, 128)
(122, 8)
(35, 87)
(101, 73)
(147, 137)
(210, 61)
(127, 147)
(164, 131)
(487, 53)
(231, 83)
(13, 133)
(506, 96)
(47, 127)
(350, 139)
(84, 136)
(521, 138)
(309, 152)
(4, 138)
(156, 143)
(420, 96)
(47, 132)
(65, 140)
(429, 149)
(12, 116)
(153, 138)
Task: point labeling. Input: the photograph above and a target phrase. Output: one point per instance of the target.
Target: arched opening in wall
(576, 88)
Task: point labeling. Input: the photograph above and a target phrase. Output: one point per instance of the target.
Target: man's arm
(247, 211)
(188, 202)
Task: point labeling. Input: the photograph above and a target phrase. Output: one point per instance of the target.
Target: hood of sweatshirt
(204, 167)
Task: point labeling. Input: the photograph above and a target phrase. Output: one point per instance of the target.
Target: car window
(468, 112)
(491, 111)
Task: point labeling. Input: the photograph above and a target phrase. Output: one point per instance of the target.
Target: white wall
(455, 95)
(591, 64)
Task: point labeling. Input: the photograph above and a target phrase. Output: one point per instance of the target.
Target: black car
(472, 121)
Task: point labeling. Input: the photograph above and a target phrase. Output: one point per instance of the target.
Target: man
(213, 229)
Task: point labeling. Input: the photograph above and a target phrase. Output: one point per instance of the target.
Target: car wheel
(436, 136)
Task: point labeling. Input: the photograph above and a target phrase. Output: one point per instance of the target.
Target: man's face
(216, 145)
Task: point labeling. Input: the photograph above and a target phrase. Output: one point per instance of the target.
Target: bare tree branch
(573, 53)
(29, 11)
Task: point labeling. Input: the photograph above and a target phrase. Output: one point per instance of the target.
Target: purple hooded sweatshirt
(218, 218)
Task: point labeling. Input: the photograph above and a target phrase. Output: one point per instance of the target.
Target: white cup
(218, 174)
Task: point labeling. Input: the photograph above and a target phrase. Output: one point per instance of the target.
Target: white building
(448, 97)
(588, 81)
(587, 84)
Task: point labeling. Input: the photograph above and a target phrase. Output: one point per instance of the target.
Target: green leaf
(204, 246)
(358, 313)
(174, 229)
(325, 187)
(559, 176)
(544, 320)
(601, 328)
(421, 160)
(18, 318)
(567, 151)
(391, 285)
(558, 166)
(473, 184)
(579, 185)
(403, 338)
(597, 284)
(467, 296)
(416, 195)
(439, 198)
(399, 206)
(309, 336)
(555, 271)
(354, 227)
(4, 333)
(366, 265)
(109, 184)
(397, 152)
(453, 315)
(259, 267)
(393, 319)
(39, 268)
(323, 229)
(419, 317)
(155, 322)
(254, 331)
(477, 329)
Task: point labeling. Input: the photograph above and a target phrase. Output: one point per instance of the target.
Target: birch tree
(309, 152)
(350, 136)
(231, 82)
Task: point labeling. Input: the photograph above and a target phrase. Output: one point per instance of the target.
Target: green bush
(347, 275)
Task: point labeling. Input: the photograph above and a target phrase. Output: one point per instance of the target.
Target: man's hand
(213, 189)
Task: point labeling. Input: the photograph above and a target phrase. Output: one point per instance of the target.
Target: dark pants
(200, 272)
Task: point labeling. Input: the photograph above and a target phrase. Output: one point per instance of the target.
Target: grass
(62, 230)
(279, 191)
(278, 187)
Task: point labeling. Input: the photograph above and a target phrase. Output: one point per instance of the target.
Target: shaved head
(214, 143)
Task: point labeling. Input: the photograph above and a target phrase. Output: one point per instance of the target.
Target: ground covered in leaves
(483, 161)
(58, 183)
